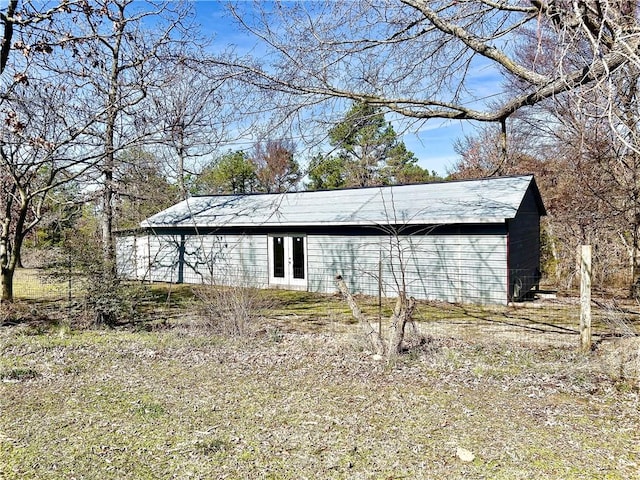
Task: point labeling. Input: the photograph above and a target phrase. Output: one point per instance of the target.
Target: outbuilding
(470, 241)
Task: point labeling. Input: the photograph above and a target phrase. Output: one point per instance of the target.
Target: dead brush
(619, 354)
(232, 311)
(418, 343)
(12, 313)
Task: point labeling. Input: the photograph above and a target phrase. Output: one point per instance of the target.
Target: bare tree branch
(419, 58)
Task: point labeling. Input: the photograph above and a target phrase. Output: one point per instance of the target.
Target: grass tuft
(19, 374)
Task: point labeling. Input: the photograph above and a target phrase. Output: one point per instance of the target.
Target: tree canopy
(276, 167)
(422, 59)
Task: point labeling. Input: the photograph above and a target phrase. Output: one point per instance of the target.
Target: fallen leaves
(309, 405)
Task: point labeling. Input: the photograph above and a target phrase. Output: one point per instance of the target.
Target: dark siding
(524, 247)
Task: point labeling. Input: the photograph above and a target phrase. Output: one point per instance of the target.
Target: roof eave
(363, 223)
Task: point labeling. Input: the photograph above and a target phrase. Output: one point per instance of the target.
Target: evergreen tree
(402, 168)
(326, 173)
(368, 152)
(234, 172)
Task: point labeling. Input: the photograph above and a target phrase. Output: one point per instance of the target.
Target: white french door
(288, 261)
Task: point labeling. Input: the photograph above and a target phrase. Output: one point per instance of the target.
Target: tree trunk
(6, 279)
(108, 248)
(181, 184)
(8, 262)
(634, 250)
(10, 248)
(402, 314)
(504, 158)
(372, 336)
(108, 168)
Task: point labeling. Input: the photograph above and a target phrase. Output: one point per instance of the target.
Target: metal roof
(489, 200)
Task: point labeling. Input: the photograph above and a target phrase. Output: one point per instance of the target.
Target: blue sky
(433, 143)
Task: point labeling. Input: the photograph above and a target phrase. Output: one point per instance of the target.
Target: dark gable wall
(524, 247)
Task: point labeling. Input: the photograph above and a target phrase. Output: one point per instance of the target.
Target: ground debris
(465, 455)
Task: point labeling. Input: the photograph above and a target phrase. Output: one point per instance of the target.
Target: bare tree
(191, 116)
(37, 155)
(276, 168)
(17, 17)
(419, 58)
(582, 150)
(597, 138)
(397, 248)
(118, 64)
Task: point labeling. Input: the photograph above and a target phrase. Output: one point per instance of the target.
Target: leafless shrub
(416, 341)
(620, 360)
(620, 355)
(618, 318)
(17, 312)
(233, 311)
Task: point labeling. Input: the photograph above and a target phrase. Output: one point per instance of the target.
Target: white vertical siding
(163, 255)
(132, 259)
(127, 257)
(452, 268)
(226, 259)
(355, 258)
(483, 269)
(143, 261)
(222, 259)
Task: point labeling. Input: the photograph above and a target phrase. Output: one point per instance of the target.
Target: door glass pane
(298, 257)
(278, 257)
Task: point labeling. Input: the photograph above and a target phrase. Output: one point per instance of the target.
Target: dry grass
(302, 399)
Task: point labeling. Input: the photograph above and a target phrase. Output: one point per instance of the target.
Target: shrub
(109, 302)
(620, 359)
(233, 311)
(17, 312)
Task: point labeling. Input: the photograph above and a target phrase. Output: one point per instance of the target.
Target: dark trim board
(460, 229)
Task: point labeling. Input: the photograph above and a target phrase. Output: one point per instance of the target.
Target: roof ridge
(369, 187)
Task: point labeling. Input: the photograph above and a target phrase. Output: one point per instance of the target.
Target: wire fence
(542, 316)
(32, 284)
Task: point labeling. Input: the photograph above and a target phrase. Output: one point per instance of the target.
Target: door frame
(288, 281)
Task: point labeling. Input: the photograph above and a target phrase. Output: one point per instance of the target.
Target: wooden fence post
(380, 293)
(585, 298)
